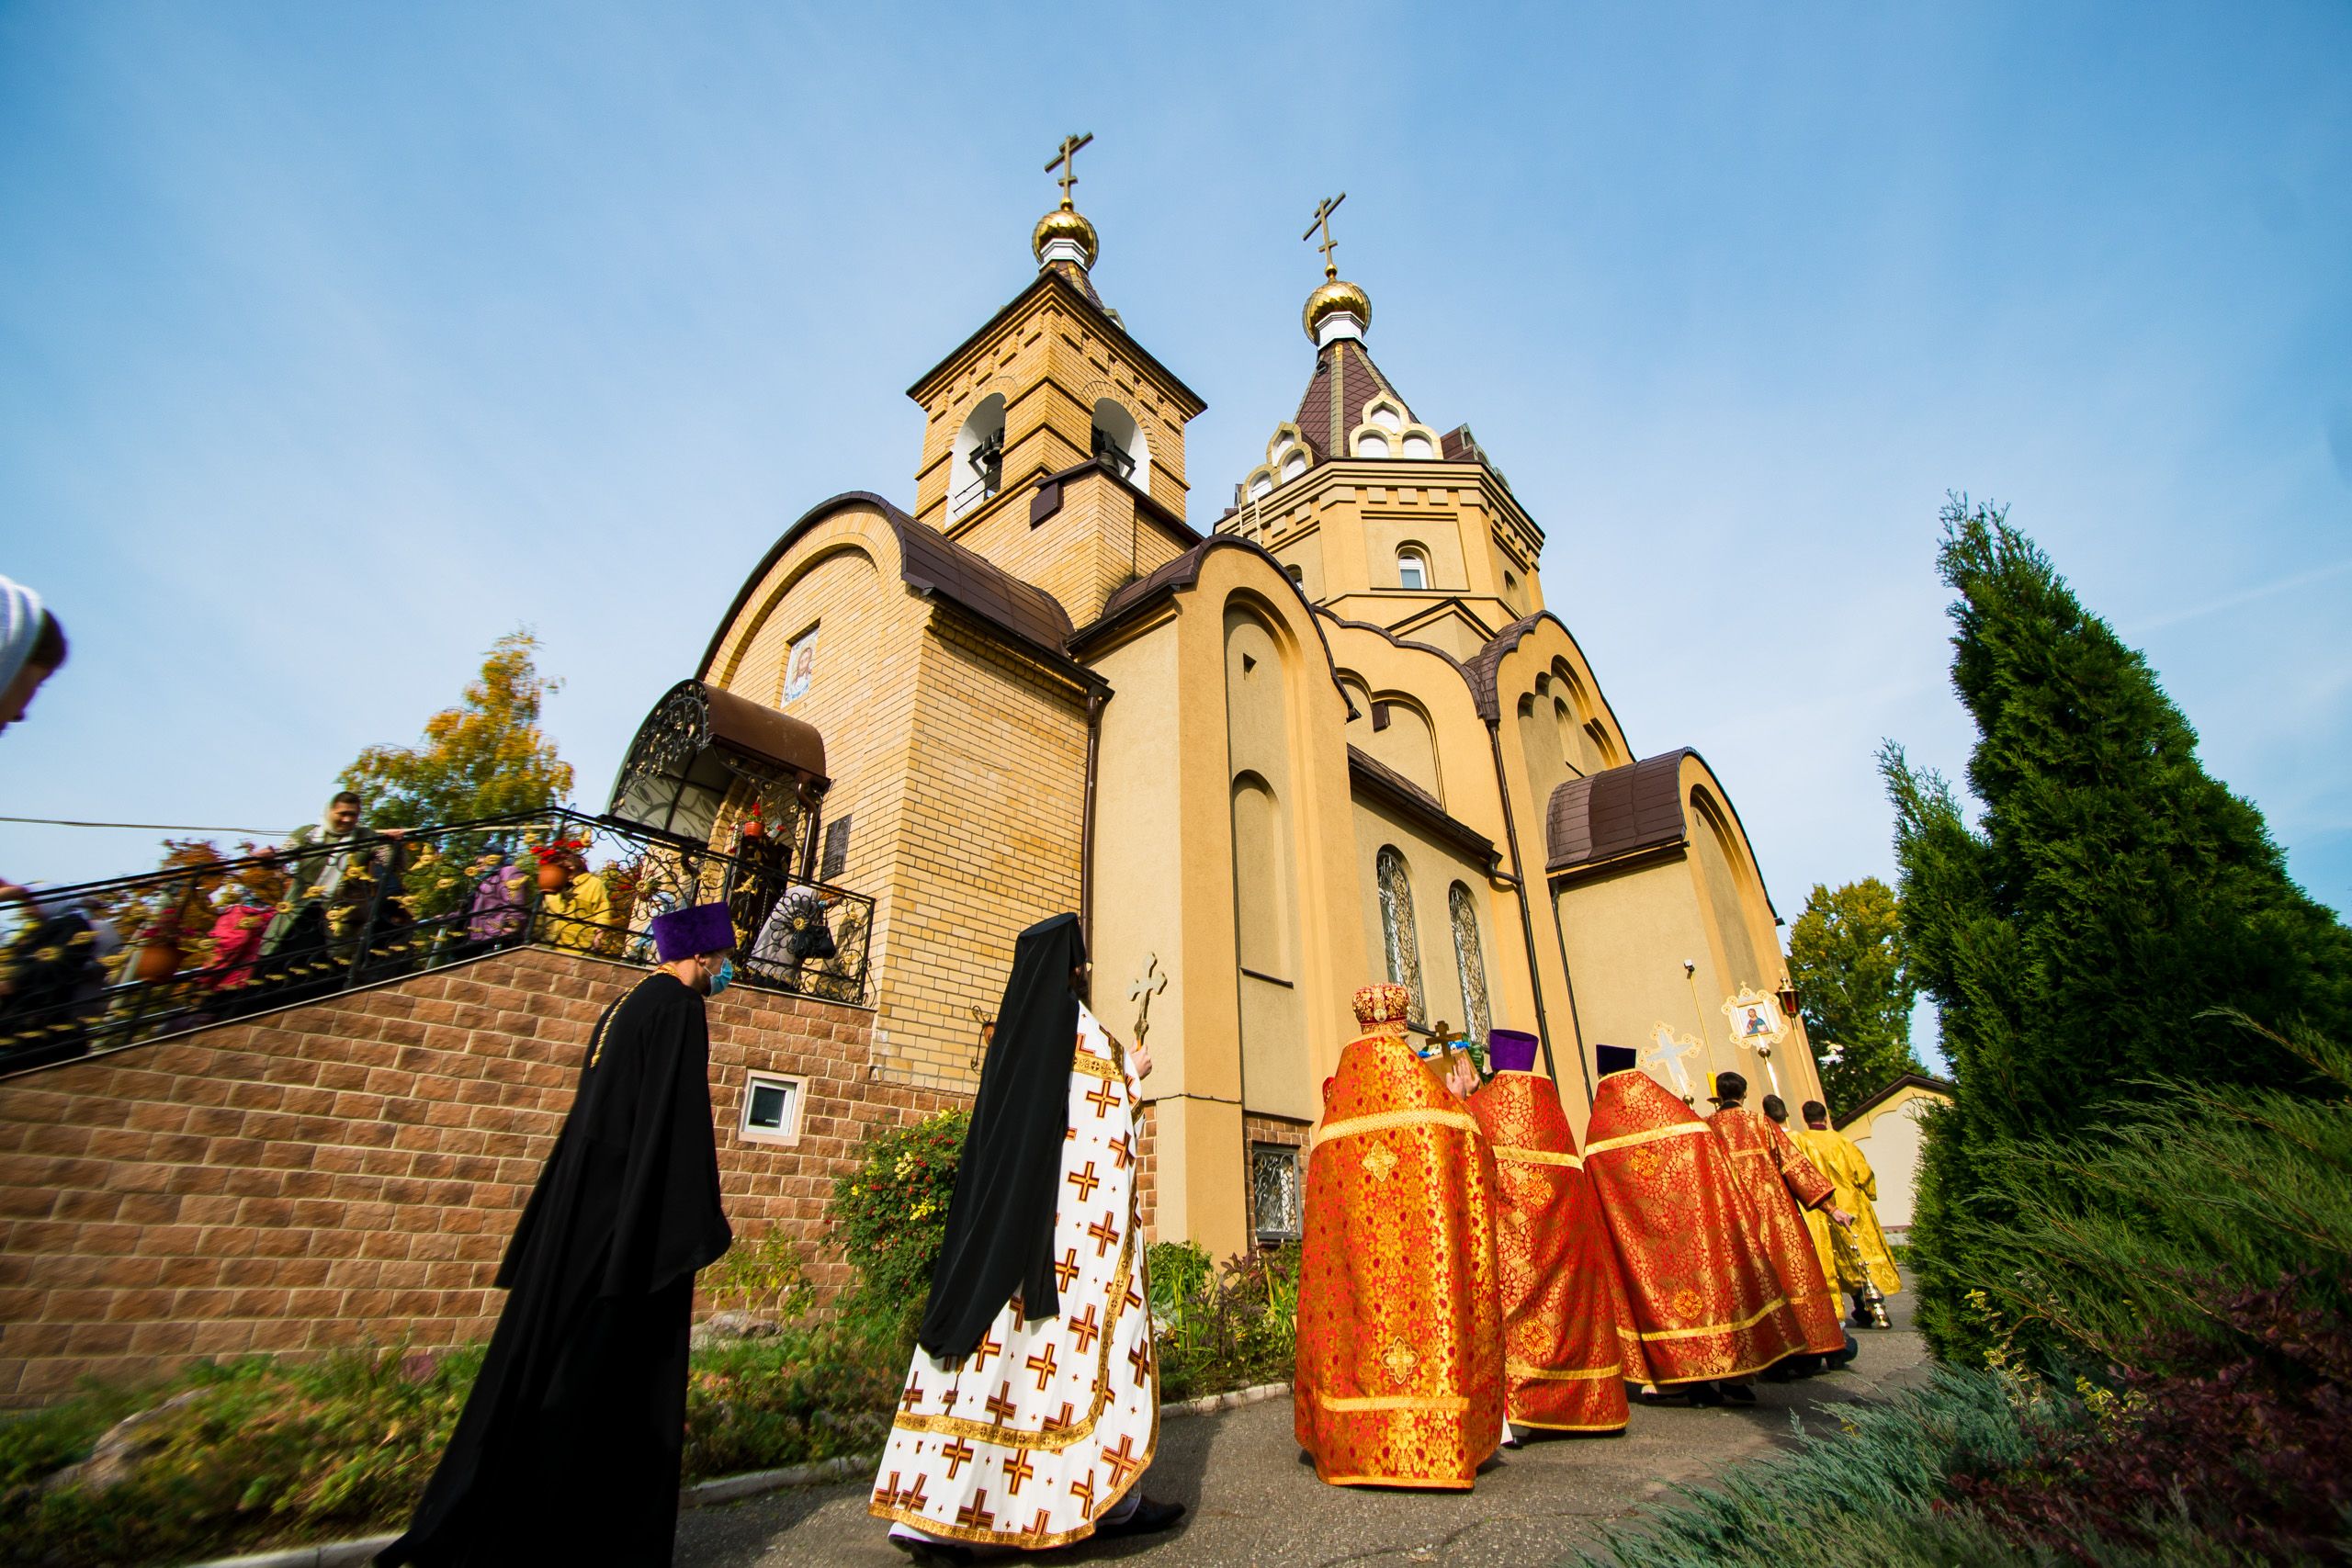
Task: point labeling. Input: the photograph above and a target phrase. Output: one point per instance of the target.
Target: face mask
(724, 978)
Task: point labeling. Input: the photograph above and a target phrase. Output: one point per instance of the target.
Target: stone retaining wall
(351, 1169)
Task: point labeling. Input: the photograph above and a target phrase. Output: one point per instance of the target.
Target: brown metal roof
(1618, 812)
(1378, 779)
(1483, 664)
(742, 724)
(931, 563)
(1345, 379)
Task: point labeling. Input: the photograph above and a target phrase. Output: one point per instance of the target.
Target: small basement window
(772, 1103)
(1277, 1203)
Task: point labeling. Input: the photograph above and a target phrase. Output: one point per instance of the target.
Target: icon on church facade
(800, 665)
(1755, 1020)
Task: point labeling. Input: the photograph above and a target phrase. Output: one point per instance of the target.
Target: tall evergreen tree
(484, 758)
(1847, 961)
(2111, 893)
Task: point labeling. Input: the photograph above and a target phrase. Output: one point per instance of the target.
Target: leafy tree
(1845, 957)
(484, 758)
(2109, 895)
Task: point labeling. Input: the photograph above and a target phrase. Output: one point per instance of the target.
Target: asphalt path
(1252, 1497)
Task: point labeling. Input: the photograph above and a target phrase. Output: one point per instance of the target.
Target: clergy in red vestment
(1569, 1345)
(1400, 1334)
(1707, 1303)
(1778, 1178)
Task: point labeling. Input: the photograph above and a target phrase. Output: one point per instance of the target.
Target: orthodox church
(1328, 737)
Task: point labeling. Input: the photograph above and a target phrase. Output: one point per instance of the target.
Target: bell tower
(1053, 442)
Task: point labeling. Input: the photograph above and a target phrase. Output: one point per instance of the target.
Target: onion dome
(1336, 309)
(1064, 235)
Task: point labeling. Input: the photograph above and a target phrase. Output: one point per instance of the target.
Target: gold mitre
(1384, 1005)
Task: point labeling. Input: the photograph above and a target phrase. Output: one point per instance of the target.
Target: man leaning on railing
(574, 910)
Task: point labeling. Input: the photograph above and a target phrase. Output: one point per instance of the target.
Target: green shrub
(1222, 1329)
(889, 1215)
(764, 1276)
(798, 1396)
(251, 1452)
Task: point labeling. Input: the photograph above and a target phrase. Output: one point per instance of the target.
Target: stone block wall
(351, 1169)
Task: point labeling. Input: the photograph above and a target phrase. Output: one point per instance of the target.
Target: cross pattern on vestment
(1041, 1364)
(1001, 1407)
(912, 1397)
(1378, 1161)
(1105, 1234)
(1054, 1423)
(1086, 1182)
(981, 1352)
(957, 1455)
(889, 1495)
(1140, 1360)
(1085, 1330)
(1066, 159)
(1329, 204)
(1101, 1099)
(1124, 1462)
(1042, 1523)
(1133, 1300)
(1067, 1269)
(1084, 1491)
(912, 1496)
(1119, 1152)
(1017, 1470)
(973, 1515)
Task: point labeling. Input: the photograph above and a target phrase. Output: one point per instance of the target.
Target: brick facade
(351, 1169)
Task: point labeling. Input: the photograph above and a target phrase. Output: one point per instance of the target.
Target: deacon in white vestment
(1032, 1406)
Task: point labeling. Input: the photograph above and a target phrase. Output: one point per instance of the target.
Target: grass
(1878, 1495)
(255, 1452)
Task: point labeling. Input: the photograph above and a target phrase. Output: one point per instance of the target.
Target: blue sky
(336, 341)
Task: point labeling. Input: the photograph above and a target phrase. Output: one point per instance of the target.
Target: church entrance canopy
(702, 746)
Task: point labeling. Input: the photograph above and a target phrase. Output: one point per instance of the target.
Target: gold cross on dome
(1329, 204)
(1066, 161)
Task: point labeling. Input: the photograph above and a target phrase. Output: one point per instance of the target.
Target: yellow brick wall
(987, 843)
(861, 696)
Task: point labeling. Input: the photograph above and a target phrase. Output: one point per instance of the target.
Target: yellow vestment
(1857, 1185)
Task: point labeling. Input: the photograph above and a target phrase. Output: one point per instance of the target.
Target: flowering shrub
(1222, 1329)
(889, 1215)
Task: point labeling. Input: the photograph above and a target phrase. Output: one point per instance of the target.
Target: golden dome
(1334, 296)
(1064, 223)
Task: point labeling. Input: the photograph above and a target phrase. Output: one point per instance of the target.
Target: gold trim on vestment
(1569, 1426)
(1094, 1067)
(1416, 1483)
(1443, 1403)
(1775, 1305)
(1381, 1121)
(1648, 1135)
(1520, 1154)
(1578, 1374)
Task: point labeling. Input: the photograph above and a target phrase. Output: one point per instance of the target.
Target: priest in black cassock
(568, 1450)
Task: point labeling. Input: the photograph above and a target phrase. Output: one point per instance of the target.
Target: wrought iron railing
(102, 965)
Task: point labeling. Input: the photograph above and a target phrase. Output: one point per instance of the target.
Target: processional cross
(1066, 161)
(1666, 1049)
(1322, 223)
(1147, 985)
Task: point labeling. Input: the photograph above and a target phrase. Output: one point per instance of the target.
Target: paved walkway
(1254, 1499)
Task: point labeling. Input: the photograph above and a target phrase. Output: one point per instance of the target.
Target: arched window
(1470, 960)
(1396, 931)
(1418, 446)
(977, 472)
(1298, 574)
(1372, 444)
(1293, 464)
(1120, 442)
(1412, 568)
